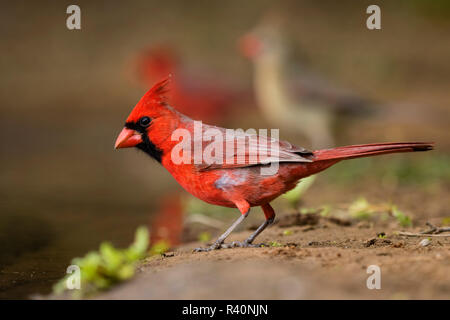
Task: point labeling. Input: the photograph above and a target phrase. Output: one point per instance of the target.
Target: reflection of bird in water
(310, 108)
(196, 93)
(167, 225)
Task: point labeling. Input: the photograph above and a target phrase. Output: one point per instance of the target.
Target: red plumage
(231, 183)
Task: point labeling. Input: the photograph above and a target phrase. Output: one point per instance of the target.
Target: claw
(245, 244)
(234, 244)
(214, 246)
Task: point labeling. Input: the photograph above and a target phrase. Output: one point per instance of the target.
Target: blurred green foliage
(101, 269)
(401, 169)
(323, 210)
(204, 236)
(402, 218)
(446, 221)
(159, 247)
(361, 209)
(275, 244)
(295, 195)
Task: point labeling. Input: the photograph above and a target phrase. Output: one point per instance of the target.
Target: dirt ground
(318, 258)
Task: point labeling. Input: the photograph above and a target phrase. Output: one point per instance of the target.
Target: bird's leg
(269, 213)
(219, 242)
(258, 231)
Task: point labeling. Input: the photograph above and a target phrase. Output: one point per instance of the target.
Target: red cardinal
(201, 97)
(237, 180)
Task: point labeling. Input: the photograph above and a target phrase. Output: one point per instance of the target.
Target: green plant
(361, 209)
(402, 219)
(159, 247)
(204, 236)
(275, 244)
(294, 195)
(324, 210)
(101, 269)
(425, 170)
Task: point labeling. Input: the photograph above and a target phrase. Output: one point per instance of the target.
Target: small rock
(292, 245)
(363, 225)
(168, 254)
(398, 244)
(340, 222)
(425, 242)
(376, 241)
(370, 242)
(299, 219)
(383, 254)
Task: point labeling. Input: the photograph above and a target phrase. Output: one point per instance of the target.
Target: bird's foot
(242, 244)
(214, 246)
(234, 244)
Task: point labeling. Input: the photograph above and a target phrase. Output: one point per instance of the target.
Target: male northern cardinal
(237, 179)
(200, 97)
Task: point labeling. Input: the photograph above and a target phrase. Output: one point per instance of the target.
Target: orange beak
(128, 138)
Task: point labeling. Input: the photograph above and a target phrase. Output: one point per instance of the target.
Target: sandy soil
(319, 259)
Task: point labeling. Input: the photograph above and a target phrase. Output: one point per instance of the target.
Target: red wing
(244, 150)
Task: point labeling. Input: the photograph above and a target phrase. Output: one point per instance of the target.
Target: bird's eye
(144, 122)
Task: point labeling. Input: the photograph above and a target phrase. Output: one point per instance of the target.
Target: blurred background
(66, 94)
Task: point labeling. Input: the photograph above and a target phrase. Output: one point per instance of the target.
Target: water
(64, 190)
(37, 248)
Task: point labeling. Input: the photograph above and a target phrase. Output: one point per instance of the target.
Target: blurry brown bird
(310, 107)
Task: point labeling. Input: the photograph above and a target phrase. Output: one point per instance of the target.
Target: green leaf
(204, 236)
(275, 244)
(100, 270)
(294, 195)
(160, 247)
(360, 209)
(402, 219)
(446, 221)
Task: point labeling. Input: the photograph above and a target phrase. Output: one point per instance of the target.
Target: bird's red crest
(153, 103)
(156, 93)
